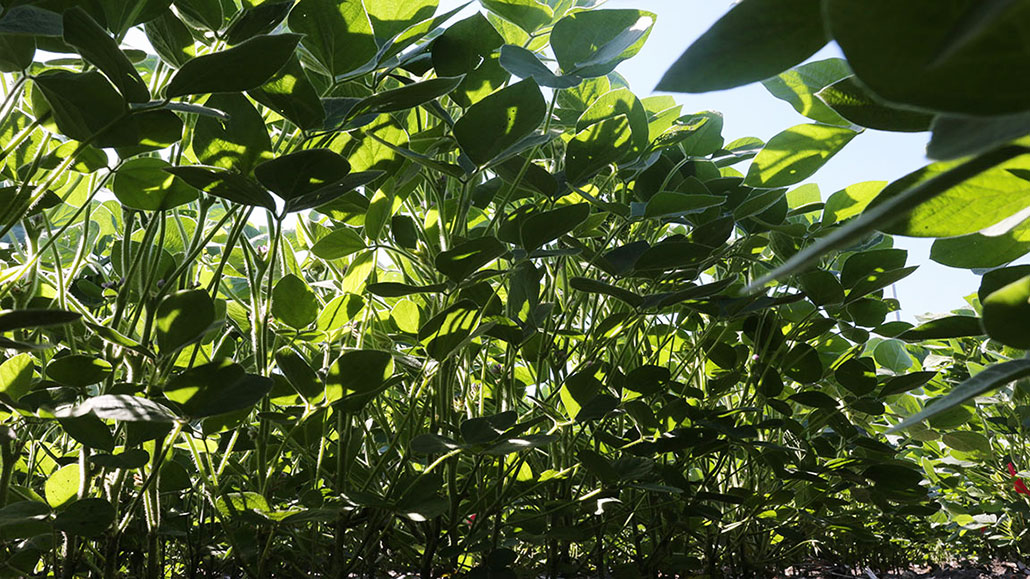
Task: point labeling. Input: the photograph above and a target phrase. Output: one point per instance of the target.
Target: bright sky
(752, 111)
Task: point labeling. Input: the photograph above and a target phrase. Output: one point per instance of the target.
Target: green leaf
(300, 375)
(500, 120)
(392, 17)
(541, 228)
(290, 93)
(598, 287)
(670, 204)
(597, 147)
(893, 355)
(390, 289)
(62, 485)
(144, 184)
(358, 373)
(851, 201)
(102, 51)
(796, 154)
(906, 382)
(339, 243)
(959, 136)
(983, 251)
(967, 207)
(822, 287)
(855, 103)
(433, 444)
(183, 318)
(171, 39)
(799, 85)
(525, 64)
(89, 431)
(461, 261)
(904, 53)
(337, 32)
(302, 173)
(260, 19)
(611, 105)
(592, 43)
(16, 52)
(239, 143)
(802, 364)
(79, 370)
(858, 375)
(16, 376)
(444, 332)
(225, 183)
(86, 518)
(23, 512)
(858, 267)
(242, 67)
(203, 13)
(216, 388)
(122, 407)
(339, 311)
(529, 15)
(967, 441)
(891, 476)
(30, 21)
(83, 104)
(1006, 312)
(31, 318)
(465, 45)
(755, 40)
(944, 328)
(293, 302)
(407, 97)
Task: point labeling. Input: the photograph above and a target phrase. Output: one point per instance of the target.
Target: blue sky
(752, 111)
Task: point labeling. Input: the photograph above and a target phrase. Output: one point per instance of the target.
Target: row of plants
(343, 288)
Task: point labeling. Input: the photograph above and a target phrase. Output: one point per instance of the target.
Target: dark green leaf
(944, 328)
(216, 388)
(224, 183)
(541, 228)
(337, 32)
(86, 518)
(448, 329)
(242, 67)
(302, 173)
(339, 243)
(357, 373)
(853, 101)
(291, 94)
(122, 407)
(144, 184)
(500, 120)
(959, 136)
(896, 50)
(183, 318)
(796, 154)
(906, 382)
(238, 144)
(78, 370)
(461, 261)
(293, 302)
(525, 64)
(757, 39)
(592, 43)
(102, 51)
